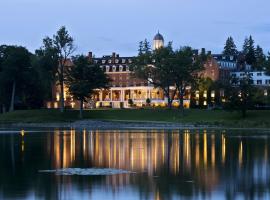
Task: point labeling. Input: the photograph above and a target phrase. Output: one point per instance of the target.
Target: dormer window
(123, 60)
(110, 61)
(129, 61)
(103, 61)
(223, 57)
(116, 61)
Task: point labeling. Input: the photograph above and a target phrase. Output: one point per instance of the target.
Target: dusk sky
(104, 26)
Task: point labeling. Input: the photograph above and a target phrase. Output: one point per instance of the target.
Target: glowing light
(223, 147)
(22, 133)
(240, 155)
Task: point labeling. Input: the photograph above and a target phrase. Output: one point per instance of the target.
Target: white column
(111, 95)
(100, 95)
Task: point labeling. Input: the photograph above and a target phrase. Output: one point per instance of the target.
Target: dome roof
(158, 37)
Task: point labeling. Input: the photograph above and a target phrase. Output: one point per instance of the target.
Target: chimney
(113, 57)
(90, 56)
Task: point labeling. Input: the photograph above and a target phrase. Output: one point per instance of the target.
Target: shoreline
(124, 125)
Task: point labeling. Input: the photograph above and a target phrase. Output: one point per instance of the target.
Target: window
(114, 68)
(259, 82)
(251, 74)
(120, 68)
(116, 61)
(267, 82)
(123, 60)
(103, 61)
(110, 61)
(127, 68)
(107, 68)
(259, 74)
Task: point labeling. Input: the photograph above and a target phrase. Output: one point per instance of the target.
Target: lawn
(196, 117)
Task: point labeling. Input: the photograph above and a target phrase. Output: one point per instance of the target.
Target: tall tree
(230, 48)
(156, 68)
(260, 58)
(47, 60)
(185, 66)
(57, 52)
(15, 62)
(249, 51)
(84, 78)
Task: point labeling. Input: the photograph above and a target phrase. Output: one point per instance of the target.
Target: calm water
(168, 164)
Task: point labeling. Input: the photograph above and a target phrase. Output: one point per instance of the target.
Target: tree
(241, 94)
(84, 78)
(169, 70)
(260, 58)
(47, 61)
(15, 62)
(185, 66)
(156, 68)
(205, 85)
(267, 64)
(56, 52)
(230, 48)
(249, 51)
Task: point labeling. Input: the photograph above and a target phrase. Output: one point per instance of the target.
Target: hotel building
(125, 87)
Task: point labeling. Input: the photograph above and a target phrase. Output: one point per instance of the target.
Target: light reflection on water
(168, 164)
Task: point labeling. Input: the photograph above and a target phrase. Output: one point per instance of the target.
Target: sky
(106, 26)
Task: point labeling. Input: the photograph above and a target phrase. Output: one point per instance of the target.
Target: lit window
(213, 94)
(205, 94)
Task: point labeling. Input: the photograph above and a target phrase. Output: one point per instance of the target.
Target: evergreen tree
(146, 47)
(230, 48)
(140, 50)
(249, 51)
(260, 58)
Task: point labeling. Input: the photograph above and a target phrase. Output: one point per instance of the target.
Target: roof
(158, 36)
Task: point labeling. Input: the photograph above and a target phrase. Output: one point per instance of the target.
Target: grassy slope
(207, 117)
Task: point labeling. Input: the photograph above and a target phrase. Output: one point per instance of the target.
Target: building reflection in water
(140, 151)
(201, 156)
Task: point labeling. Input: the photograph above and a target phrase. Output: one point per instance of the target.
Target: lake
(154, 164)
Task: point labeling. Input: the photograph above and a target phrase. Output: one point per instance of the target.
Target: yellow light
(72, 104)
(57, 97)
(22, 133)
(213, 94)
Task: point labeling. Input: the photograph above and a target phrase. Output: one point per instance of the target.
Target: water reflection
(168, 164)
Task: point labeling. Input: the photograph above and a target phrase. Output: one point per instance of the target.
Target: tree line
(27, 79)
(250, 54)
